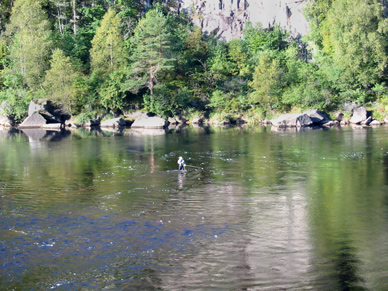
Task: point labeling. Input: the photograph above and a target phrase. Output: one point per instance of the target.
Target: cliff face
(227, 18)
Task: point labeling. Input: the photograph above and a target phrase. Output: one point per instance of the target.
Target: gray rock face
(359, 115)
(115, 123)
(292, 120)
(317, 116)
(150, 122)
(33, 121)
(51, 112)
(227, 18)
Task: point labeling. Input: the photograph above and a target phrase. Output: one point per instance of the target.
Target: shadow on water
(347, 266)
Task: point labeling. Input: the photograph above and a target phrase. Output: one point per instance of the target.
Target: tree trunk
(74, 18)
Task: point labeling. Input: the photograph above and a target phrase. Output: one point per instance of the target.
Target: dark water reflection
(260, 210)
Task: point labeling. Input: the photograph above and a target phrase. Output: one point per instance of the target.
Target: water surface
(258, 210)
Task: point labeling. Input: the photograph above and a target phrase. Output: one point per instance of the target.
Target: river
(257, 209)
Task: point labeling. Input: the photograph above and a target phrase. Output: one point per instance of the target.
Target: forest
(108, 57)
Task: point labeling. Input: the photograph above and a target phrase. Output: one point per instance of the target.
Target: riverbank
(44, 114)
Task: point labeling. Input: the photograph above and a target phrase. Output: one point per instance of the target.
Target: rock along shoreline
(43, 114)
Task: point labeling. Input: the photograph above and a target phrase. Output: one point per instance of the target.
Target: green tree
(316, 12)
(268, 82)
(260, 39)
(238, 51)
(31, 45)
(61, 81)
(107, 52)
(151, 53)
(359, 37)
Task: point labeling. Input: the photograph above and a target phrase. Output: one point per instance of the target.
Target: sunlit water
(257, 210)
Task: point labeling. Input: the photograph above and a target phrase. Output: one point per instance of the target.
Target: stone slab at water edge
(149, 122)
(292, 120)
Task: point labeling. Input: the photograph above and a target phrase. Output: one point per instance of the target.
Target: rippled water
(257, 210)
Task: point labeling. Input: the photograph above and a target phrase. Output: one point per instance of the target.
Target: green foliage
(60, 83)
(238, 51)
(268, 82)
(219, 65)
(107, 52)
(259, 39)
(358, 32)
(86, 117)
(151, 52)
(166, 101)
(17, 101)
(111, 94)
(29, 51)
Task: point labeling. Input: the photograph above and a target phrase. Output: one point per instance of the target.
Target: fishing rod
(194, 167)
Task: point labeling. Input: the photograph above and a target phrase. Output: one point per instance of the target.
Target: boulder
(72, 124)
(317, 116)
(150, 122)
(52, 126)
(375, 122)
(35, 120)
(136, 115)
(367, 121)
(292, 120)
(51, 112)
(5, 121)
(329, 124)
(180, 119)
(115, 122)
(197, 120)
(172, 120)
(359, 115)
(36, 106)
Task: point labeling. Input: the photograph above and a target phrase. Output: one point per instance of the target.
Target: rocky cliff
(227, 18)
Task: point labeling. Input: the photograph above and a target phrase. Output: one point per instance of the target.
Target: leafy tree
(111, 93)
(260, 39)
(195, 47)
(358, 34)
(316, 12)
(31, 44)
(151, 53)
(107, 53)
(60, 82)
(219, 64)
(238, 51)
(268, 82)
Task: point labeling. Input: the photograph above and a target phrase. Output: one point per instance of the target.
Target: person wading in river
(181, 164)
